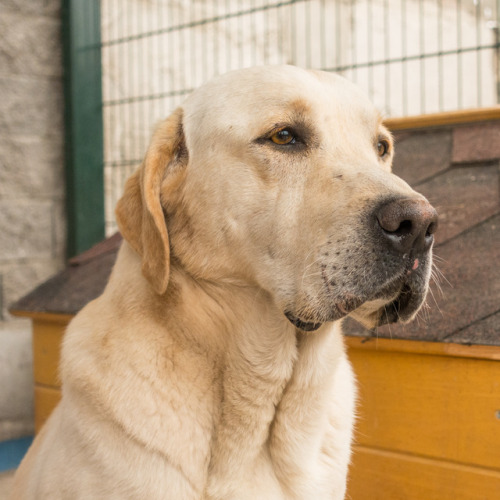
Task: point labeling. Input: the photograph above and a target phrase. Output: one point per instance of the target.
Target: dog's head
(281, 178)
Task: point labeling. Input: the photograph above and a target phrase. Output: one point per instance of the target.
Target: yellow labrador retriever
(212, 367)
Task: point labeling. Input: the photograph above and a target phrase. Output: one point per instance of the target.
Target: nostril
(404, 228)
(431, 229)
(392, 224)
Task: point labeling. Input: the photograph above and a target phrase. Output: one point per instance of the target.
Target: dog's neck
(269, 376)
(275, 384)
(240, 318)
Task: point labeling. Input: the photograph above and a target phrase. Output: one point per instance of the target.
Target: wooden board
(47, 337)
(46, 399)
(443, 118)
(441, 407)
(421, 347)
(384, 475)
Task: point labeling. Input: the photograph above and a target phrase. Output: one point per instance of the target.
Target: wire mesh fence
(411, 56)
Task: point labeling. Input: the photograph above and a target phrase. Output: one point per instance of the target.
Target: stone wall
(32, 225)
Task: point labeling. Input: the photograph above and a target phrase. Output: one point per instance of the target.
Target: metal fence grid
(412, 57)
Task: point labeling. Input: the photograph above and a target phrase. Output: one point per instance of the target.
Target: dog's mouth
(397, 301)
(400, 308)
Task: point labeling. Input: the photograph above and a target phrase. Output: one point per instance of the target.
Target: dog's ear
(139, 212)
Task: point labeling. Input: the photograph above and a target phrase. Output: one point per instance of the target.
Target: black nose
(408, 224)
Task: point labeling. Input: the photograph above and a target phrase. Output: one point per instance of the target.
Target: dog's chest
(273, 424)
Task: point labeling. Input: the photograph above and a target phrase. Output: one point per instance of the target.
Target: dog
(212, 366)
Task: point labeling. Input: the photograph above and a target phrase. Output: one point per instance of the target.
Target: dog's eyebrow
(384, 132)
(300, 106)
(382, 128)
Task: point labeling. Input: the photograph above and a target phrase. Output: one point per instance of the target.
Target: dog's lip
(306, 326)
(395, 309)
(397, 295)
(409, 295)
(404, 303)
(340, 309)
(347, 304)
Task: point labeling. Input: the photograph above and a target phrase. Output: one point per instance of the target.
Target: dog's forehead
(262, 96)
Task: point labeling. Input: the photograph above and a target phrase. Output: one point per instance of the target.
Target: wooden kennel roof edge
(450, 118)
(109, 244)
(382, 344)
(46, 317)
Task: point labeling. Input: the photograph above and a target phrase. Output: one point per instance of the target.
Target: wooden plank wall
(48, 331)
(428, 425)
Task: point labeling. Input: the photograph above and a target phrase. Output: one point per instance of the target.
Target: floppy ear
(139, 212)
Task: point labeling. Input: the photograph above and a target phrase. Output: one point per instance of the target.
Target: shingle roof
(458, 169)
(82, 281)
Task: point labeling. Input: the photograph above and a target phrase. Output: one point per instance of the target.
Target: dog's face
(280, 177)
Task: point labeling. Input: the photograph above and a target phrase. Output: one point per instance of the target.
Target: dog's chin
(396, 303)
(401, 307)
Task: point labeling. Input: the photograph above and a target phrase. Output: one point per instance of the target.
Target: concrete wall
(32, 226)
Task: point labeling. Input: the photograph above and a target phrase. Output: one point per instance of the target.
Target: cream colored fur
(185, 380)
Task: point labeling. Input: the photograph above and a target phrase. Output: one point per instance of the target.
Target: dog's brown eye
(282, 137)
(383, 148)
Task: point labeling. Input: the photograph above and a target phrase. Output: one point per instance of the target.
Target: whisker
(435, 302)
(438, 287)
(311, 275)
(437, 272)
(308, 266)
(438, 258)
(388, 324)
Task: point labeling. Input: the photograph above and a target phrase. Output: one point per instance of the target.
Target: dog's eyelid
(281, 128)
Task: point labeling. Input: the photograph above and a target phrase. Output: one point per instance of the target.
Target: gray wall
(32, 225)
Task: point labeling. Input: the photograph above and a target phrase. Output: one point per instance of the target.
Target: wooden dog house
(429, 392)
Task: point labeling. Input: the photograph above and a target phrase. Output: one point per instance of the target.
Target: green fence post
(83, 124)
